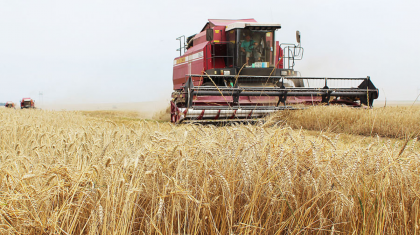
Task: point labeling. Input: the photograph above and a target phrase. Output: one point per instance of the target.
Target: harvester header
(236, 69)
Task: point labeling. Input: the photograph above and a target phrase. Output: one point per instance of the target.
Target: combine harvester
(27, 103)
(235, 69)
(10, 104)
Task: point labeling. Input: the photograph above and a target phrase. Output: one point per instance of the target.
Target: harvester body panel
(191, 62)
(236, 69)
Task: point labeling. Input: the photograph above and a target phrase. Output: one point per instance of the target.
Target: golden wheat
(67, 173)
(394, 122)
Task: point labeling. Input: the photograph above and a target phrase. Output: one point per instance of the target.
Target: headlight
(283, 73)
(227, 72)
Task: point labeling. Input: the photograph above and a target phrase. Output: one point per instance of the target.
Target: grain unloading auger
(234, 69)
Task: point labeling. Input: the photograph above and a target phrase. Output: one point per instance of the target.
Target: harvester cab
(235, 69)
(27, 103)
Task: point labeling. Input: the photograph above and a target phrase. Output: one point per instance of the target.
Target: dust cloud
(150, 110)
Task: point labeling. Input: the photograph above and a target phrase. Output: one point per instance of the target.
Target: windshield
(26, 103)
(258, 45)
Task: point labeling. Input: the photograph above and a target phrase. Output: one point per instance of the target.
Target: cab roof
(224, 22)
(253, 25)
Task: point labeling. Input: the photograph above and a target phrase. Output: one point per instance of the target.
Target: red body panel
(279, 56)
(192, 62)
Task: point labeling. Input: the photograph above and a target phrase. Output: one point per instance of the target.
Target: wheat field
(393, 122)
(77, 173)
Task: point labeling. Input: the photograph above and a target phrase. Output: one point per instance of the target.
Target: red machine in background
(236, 69)
(27, 103)
(10, 104)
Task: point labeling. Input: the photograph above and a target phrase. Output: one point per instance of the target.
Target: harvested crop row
(61, 172)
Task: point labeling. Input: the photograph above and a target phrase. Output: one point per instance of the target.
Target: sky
(103, 51)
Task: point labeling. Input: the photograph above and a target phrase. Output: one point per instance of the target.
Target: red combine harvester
(27, 103)
(235, 69)
(10, 104)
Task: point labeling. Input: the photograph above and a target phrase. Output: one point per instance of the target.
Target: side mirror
(298, 36)
(209, 35)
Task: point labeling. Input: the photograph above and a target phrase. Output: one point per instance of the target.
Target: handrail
(294, 52)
